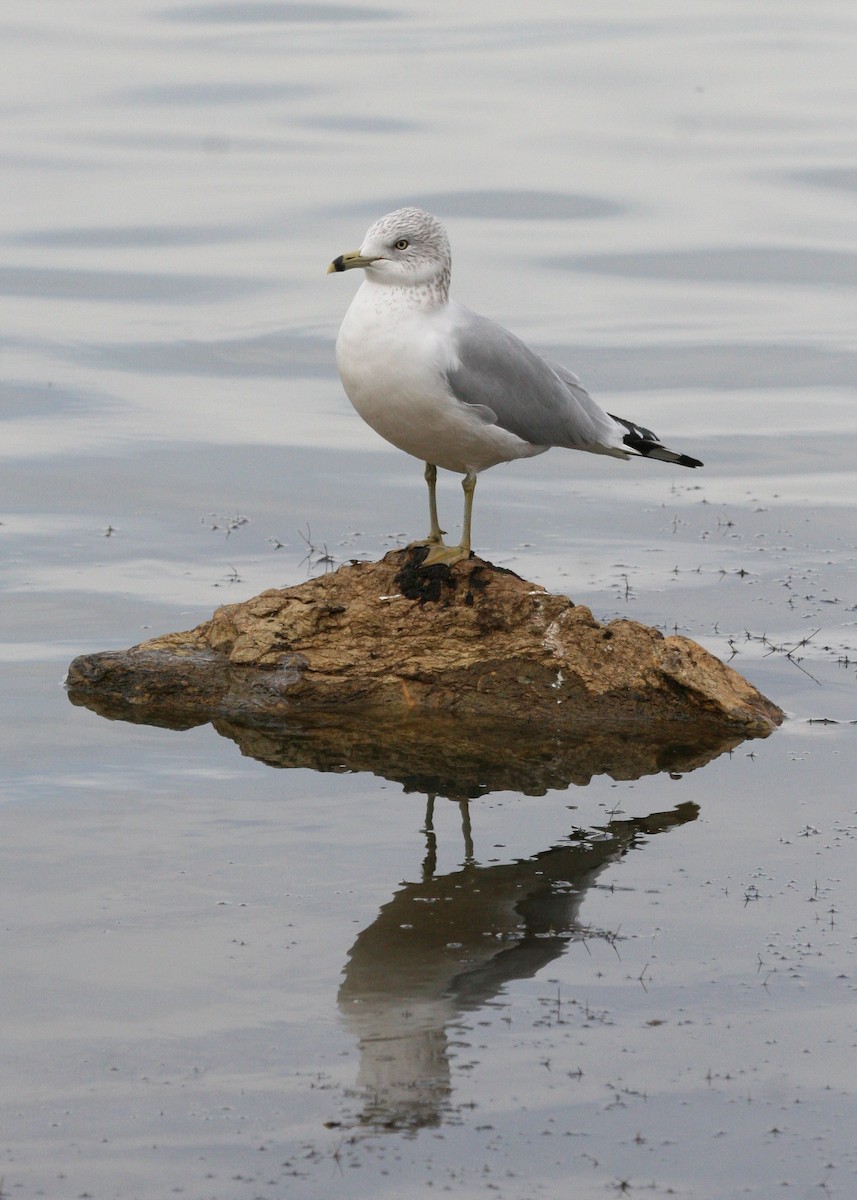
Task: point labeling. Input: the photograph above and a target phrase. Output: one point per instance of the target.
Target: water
(204, 953)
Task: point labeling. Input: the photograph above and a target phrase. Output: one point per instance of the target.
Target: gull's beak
(352, 259)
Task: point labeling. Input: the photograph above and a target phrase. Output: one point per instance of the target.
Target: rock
(456, 656)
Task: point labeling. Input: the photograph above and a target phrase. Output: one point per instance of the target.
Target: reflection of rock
(465, 758)
(461, 758)
(392, 639)
(447, 945)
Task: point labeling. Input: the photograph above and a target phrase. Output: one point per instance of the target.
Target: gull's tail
(643, 441)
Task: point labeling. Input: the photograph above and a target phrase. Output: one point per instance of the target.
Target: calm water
(221, 978)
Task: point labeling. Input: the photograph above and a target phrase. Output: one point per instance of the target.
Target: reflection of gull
(451, 387)
(449, 944)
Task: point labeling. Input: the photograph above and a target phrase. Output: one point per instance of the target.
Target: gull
(451, 387)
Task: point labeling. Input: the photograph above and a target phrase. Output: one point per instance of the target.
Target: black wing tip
(648, 445)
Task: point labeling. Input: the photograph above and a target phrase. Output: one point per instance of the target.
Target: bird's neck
(420, 297)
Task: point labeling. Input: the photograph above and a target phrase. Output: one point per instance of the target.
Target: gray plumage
(542, 403)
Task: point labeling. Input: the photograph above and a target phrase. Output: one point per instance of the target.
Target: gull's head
(406, 248)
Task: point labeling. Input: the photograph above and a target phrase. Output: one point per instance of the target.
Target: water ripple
(128, 236)
(261, 13)
(726, 264)
(70, 284)
(500, 204)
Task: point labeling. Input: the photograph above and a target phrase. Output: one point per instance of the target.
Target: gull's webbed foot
(441, 553)
(431, 540)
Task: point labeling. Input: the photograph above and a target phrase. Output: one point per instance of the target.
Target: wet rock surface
(388, 635)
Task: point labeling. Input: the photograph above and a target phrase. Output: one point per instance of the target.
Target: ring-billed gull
(451, 387)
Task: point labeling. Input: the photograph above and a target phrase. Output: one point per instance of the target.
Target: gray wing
(541, 403)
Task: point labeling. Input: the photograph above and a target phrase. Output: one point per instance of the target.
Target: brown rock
(449, 653)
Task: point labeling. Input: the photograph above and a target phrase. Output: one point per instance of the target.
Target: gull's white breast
(393, 356)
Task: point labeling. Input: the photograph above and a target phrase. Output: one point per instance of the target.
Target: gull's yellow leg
(453, 554)
(469, 485)
(436, 534)
(435, 537)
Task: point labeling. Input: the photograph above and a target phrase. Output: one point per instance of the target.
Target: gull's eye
(402, 244)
